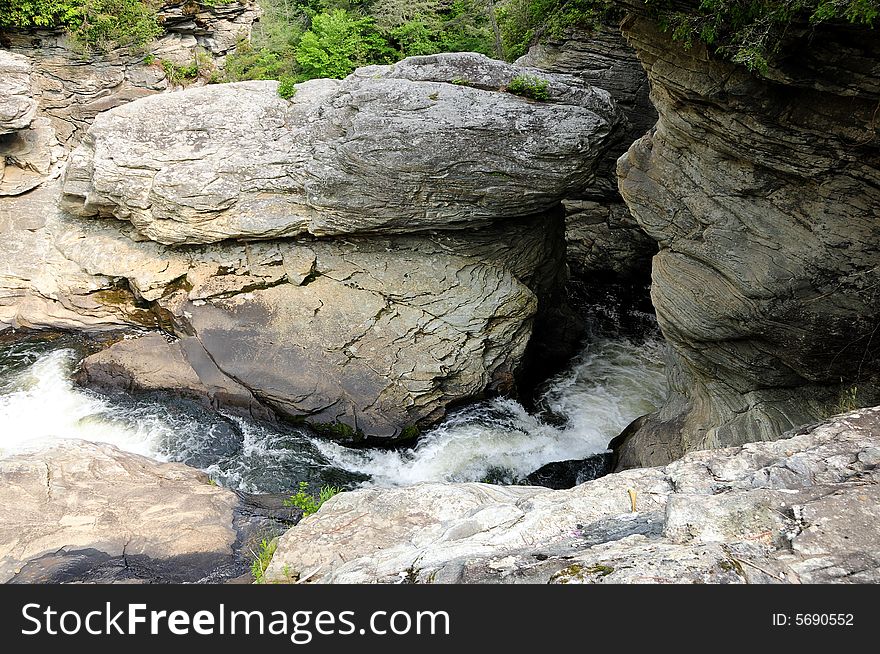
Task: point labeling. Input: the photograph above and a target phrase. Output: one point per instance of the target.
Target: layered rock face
(428, 293)
(801, 510)
(65, 88)
(379, 334)
(603, 239)
(763, 196)
(28, 146)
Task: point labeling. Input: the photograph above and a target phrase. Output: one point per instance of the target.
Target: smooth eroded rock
(79, 506)
(369, 336)
(762, 195)
(429, 143)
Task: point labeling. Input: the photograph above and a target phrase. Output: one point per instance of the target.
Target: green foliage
(96, 24)
(309, 503)
(262, 558)
(754, 32)
(39, 13)
(848, 401)
(337, 43)
(529, 86)
(525, 22)
(304, 39)
(202, 66)
(287, 87)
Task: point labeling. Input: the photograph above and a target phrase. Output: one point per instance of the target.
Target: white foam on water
(610, 384)
(40, 406)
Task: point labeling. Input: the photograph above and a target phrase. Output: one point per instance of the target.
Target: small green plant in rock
(849, 400)
(262, 558)
(529, 86)
(287, 87)
(309, 503)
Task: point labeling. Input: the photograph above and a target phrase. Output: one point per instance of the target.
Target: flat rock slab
(86, 511)
(801, 509)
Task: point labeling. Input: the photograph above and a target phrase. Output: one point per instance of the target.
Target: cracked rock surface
(379, 334)
(803, 509)
(82, 505)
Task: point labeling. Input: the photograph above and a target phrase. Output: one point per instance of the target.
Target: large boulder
(762, 193)
(370, 337)
(799, 510)
(429, 143)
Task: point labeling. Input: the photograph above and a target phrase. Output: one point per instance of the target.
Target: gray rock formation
(799, 510)
(215, 28)
(391, 149)
(17, 108)
(383, 330)
(603, 238)
(28, 149)
(763, 196)
(381, 333)
(82, 507)
(373, 335)
(50, 91)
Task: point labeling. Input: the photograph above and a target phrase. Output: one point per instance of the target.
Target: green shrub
(753, 32)
(338, 42)
(95, 24)
(529, 86)
(523, 22)
(309, 503)
(262, 558)
(304, 39)
(287, 87)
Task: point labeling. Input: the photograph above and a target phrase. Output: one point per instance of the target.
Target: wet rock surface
(566, 474)
(798, 510)
(382, 333)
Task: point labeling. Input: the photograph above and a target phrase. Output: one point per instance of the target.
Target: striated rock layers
(604, 241)
(391, 149)
(800, 510)
(763, 194)
(65, 88)
(447, 245)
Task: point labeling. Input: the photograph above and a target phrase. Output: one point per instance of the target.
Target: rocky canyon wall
(603, 240)
(763, 194)
(65, 86)
(361, 256)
